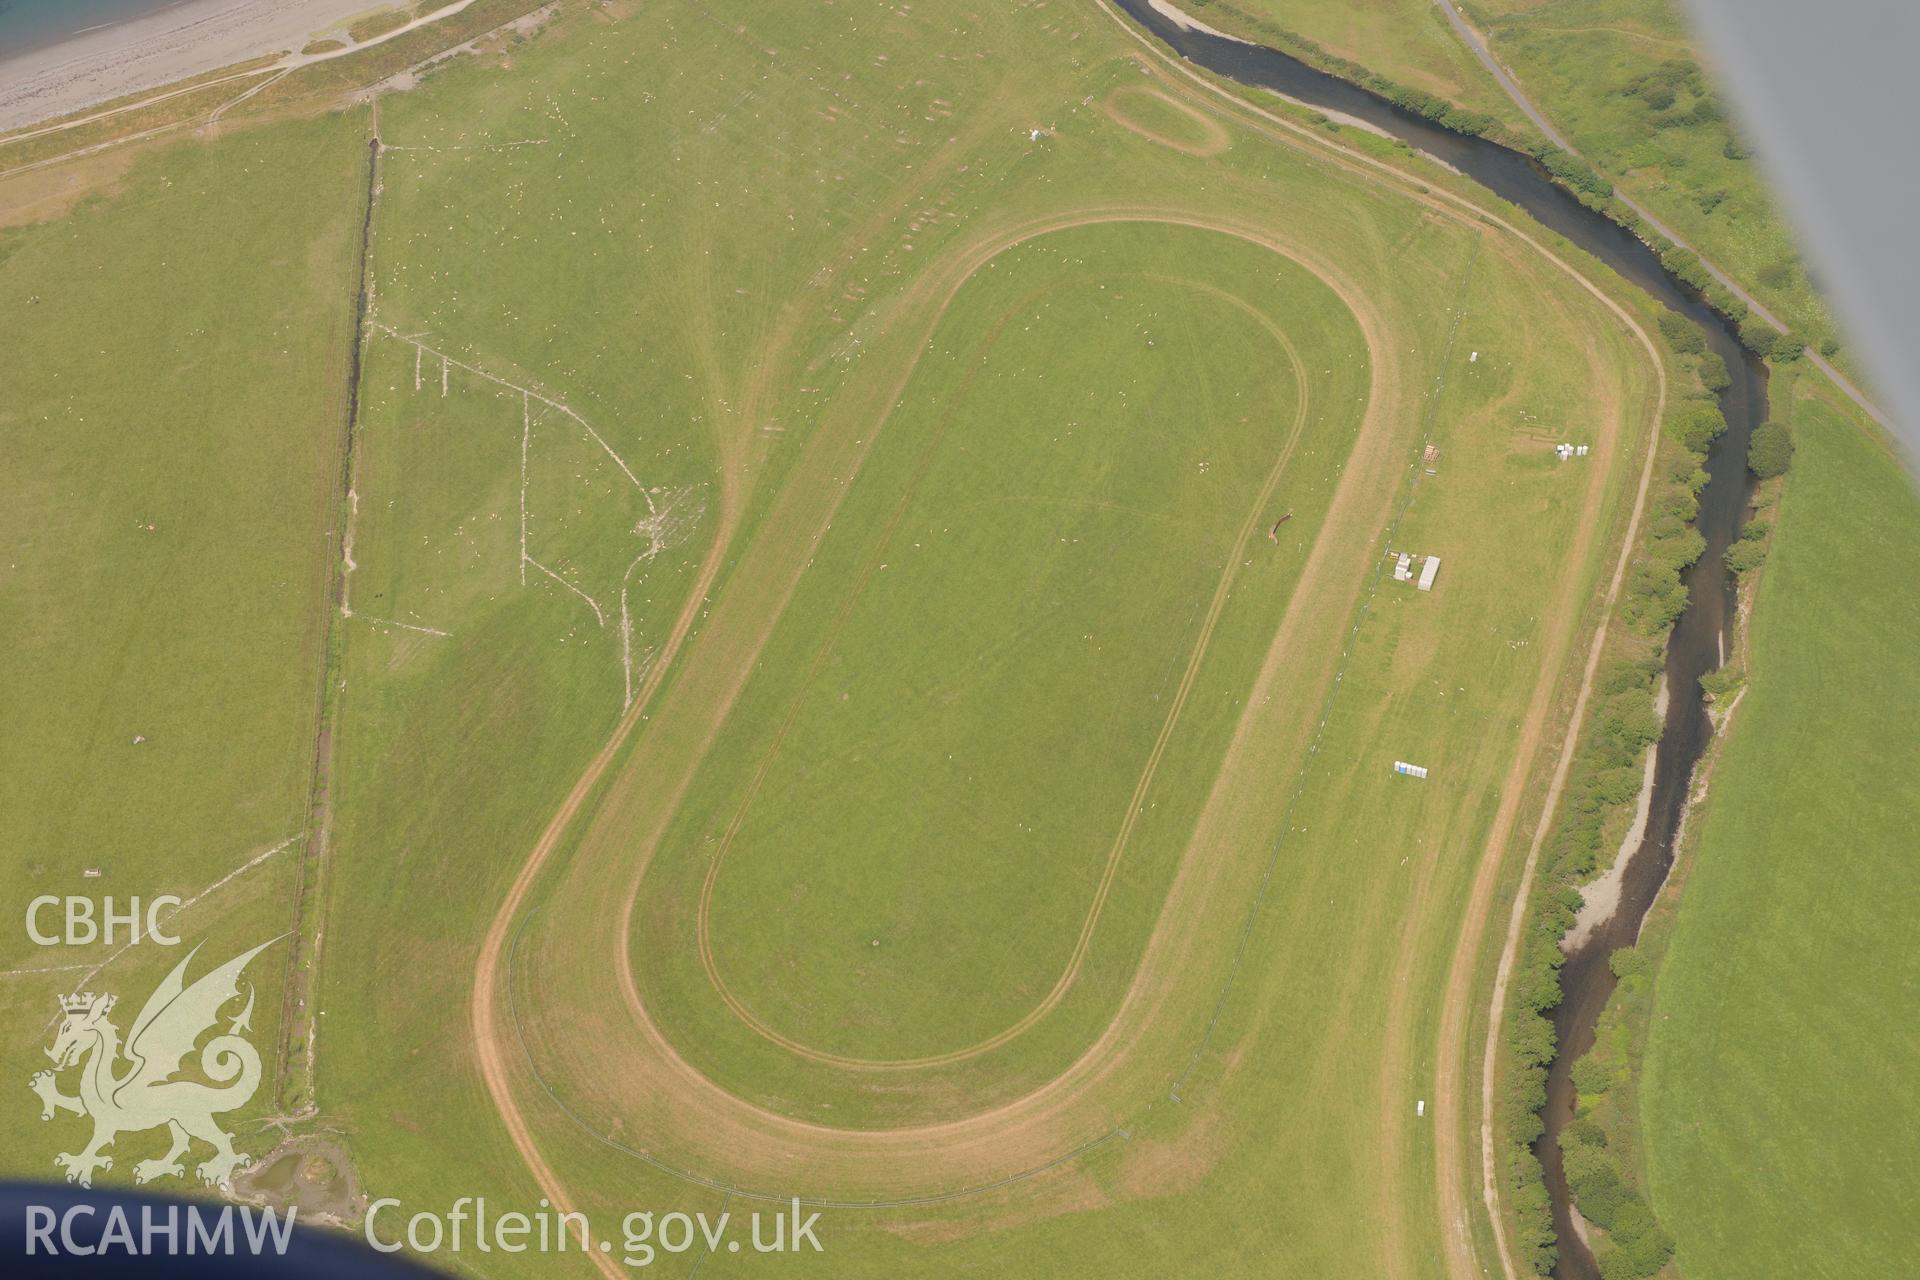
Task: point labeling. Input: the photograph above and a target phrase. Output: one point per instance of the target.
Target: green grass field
(871, 425)
(683, 333)
(1415, 680)
(173, 470)
(1778, 1125)
(1077, 482)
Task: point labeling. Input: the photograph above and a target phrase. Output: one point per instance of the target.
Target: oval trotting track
(615, 1054)
(1236, 557)
(617, 1045)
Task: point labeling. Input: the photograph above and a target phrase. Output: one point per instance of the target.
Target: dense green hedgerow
(1682, 334)
(1771, 452)
(1744, 556)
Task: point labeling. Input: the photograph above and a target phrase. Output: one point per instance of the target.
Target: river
(1702, 634)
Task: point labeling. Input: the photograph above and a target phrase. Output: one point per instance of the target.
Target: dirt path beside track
(1558, 625)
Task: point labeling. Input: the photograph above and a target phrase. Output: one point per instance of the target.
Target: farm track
(669, 1088)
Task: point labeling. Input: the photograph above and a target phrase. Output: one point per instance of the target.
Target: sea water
(26, 25)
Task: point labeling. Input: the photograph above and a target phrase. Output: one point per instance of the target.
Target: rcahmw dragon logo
(142, 1093)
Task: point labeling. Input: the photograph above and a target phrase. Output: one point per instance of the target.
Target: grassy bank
(1779, 1128)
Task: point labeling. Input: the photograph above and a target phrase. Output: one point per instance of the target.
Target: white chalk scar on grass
(672, 513)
